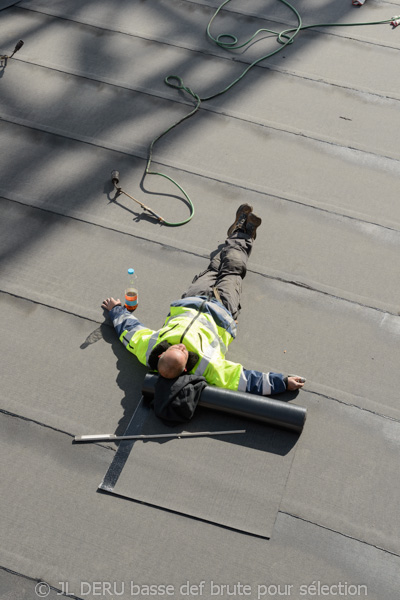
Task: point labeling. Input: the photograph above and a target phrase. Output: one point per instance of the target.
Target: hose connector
(395, 21)
(115, 178)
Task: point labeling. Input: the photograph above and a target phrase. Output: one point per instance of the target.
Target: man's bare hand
(295, 383)
(109, 303)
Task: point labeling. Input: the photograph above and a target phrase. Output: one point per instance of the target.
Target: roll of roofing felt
(248, 406)
(257, 408)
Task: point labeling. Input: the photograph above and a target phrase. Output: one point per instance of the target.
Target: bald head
(173, 361)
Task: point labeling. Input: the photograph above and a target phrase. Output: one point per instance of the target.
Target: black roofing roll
(257, 408)
(248, 406)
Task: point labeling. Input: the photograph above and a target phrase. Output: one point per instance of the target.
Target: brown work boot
(241, 217)
(251, 225)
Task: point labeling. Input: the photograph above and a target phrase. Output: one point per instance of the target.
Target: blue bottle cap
(131, 271)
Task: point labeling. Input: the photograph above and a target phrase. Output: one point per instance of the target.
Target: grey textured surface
(214, 478)
(7, 4)
(310, 139)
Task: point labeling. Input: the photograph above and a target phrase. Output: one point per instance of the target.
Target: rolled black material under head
(248, 406)
(115, 177)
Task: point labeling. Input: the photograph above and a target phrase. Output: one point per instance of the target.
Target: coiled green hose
(230, 42)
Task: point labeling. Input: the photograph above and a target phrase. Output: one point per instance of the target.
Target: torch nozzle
(17, 47)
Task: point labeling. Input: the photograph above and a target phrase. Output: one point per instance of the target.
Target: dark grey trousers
(226, 272)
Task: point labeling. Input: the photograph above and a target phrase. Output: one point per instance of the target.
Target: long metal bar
(109, 437)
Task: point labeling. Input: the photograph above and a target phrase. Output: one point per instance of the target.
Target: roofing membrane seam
(229, 10)
(348, 214)
(42, 424)
(255, 269)
(341, 533)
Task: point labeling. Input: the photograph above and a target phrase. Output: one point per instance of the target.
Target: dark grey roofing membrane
(310, 138)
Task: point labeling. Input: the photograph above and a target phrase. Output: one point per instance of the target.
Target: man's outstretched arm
(266, 384)
(227, 374)
(122, 319)
(131, 332)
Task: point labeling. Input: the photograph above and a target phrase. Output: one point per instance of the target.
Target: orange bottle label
(131, 299)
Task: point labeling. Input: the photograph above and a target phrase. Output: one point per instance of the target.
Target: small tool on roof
(4, 58)
(115, 181)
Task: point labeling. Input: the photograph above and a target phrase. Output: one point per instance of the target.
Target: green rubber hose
(229, 41)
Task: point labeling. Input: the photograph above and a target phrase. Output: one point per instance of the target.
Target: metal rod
(159, 217)
(109, 437)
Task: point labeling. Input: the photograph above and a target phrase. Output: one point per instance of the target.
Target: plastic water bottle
(131, 291)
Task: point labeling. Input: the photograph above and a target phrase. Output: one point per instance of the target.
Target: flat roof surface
(310, 138)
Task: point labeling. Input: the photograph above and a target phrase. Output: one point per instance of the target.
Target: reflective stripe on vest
(152, 343)
(129, 335)
(217, 341)
(209, 355)
(120, 319)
